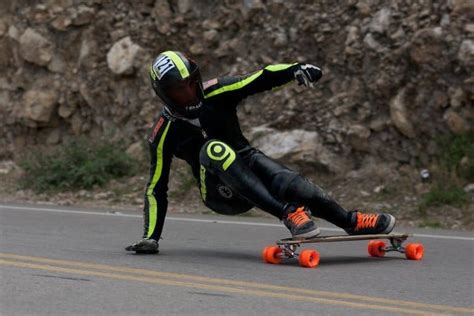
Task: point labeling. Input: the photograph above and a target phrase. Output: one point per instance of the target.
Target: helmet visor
(185, 93)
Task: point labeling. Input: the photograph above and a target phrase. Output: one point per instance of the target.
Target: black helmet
(176, 79)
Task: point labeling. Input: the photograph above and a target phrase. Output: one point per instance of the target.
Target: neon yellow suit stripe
(178, 62)
(279, 67)
(246, 81)
(152, 205)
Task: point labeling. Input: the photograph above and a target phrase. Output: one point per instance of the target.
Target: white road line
(184, 219)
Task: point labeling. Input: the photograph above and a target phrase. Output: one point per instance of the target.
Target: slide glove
(307, 74)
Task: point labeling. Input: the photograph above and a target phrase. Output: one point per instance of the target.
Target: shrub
(453, 149)
(442, 195)
(78, 164)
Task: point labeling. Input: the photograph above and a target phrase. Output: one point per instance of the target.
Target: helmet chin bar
(190, 112)
(194, 107)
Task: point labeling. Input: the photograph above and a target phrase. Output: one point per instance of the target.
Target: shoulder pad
(209, 83)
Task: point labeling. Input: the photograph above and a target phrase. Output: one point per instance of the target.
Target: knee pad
(216, 155)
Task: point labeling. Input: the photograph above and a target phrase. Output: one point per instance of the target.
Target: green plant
(467, 171)
(430, 224)
(77, 164)
(444, 195)
(453, 149)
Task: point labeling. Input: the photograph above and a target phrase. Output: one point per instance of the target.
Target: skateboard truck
(396, 245)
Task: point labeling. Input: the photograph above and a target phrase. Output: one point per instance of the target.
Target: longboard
(287, 248)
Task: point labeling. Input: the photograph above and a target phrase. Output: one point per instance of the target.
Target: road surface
(64, 261)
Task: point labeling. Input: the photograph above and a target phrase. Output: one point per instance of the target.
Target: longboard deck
(335, 238)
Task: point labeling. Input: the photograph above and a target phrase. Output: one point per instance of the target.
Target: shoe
(300, 224)
(370, 223)
(144, 246)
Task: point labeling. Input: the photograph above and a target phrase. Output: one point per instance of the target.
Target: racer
(199, 124)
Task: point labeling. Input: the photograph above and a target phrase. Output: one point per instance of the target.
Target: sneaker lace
(366, 220)
(299, 217)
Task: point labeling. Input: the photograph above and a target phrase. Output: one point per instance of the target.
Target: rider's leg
(221, 160)
(292, 187)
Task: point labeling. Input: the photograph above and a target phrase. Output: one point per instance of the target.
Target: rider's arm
(267, 78)
(156, 197)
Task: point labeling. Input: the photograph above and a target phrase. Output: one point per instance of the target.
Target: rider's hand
(307, 74)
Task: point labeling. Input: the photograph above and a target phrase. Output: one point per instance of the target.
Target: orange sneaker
(300, 224)
(370, 223)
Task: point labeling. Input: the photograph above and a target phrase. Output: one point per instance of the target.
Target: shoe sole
(146, 252)
(310, 234)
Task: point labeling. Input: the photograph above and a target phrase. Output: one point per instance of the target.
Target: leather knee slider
(281, 181)
(304, 188)
(218, 155)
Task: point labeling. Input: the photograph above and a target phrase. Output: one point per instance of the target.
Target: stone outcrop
(297, 147)
(396, 74)
(39, 105)
(35, 48)
(400, 116)
(121, 56)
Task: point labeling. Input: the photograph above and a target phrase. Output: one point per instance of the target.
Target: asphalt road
(65, 261)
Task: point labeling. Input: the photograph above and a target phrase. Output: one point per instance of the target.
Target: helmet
(176, 79)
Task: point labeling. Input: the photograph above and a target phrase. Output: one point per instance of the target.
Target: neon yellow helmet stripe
(153, 74)
(152, 204)
(178, 62)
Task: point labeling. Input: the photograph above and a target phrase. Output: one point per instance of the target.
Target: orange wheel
(414, 251)
(369, 246)
(270, 254)
(264, 253)
(309, 258)
(376, 248)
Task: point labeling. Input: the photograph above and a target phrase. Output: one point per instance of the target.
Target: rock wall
(396, 73)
